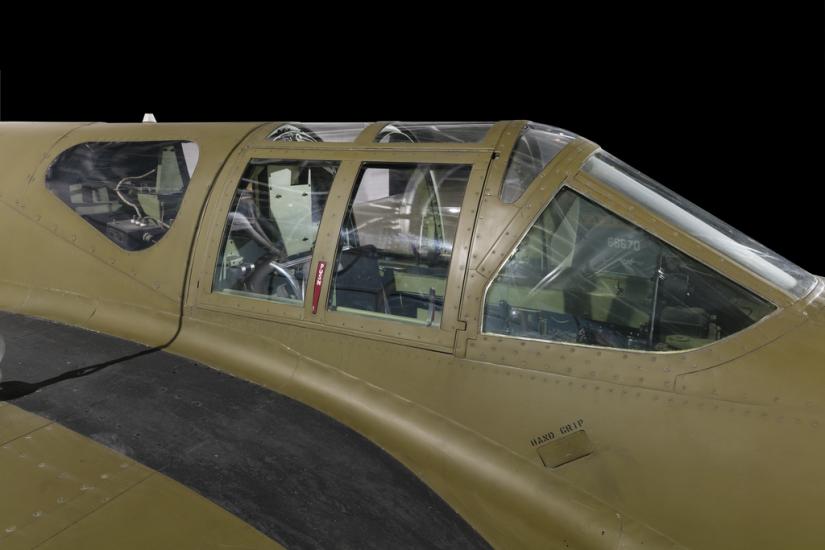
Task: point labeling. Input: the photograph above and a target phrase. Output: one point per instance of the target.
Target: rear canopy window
(129, 191)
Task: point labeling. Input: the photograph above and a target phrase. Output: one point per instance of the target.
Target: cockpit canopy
(584, 271)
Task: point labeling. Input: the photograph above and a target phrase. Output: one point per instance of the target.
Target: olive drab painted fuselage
(567, 354)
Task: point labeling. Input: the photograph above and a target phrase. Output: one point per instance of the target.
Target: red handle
(319, 280)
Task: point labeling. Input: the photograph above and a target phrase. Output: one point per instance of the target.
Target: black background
(725, 107)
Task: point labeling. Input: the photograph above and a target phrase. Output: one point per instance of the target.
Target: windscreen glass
(701, 225)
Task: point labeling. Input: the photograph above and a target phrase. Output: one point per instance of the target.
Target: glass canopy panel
(271, 229)
(397, 239)
(583, 274)
(318, 132)
(699, 224)
(537, 145)
(434, 132)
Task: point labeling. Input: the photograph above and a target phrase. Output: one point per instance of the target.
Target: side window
(129, 191)
(397, 241)
(271, 229)
(582, 274)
